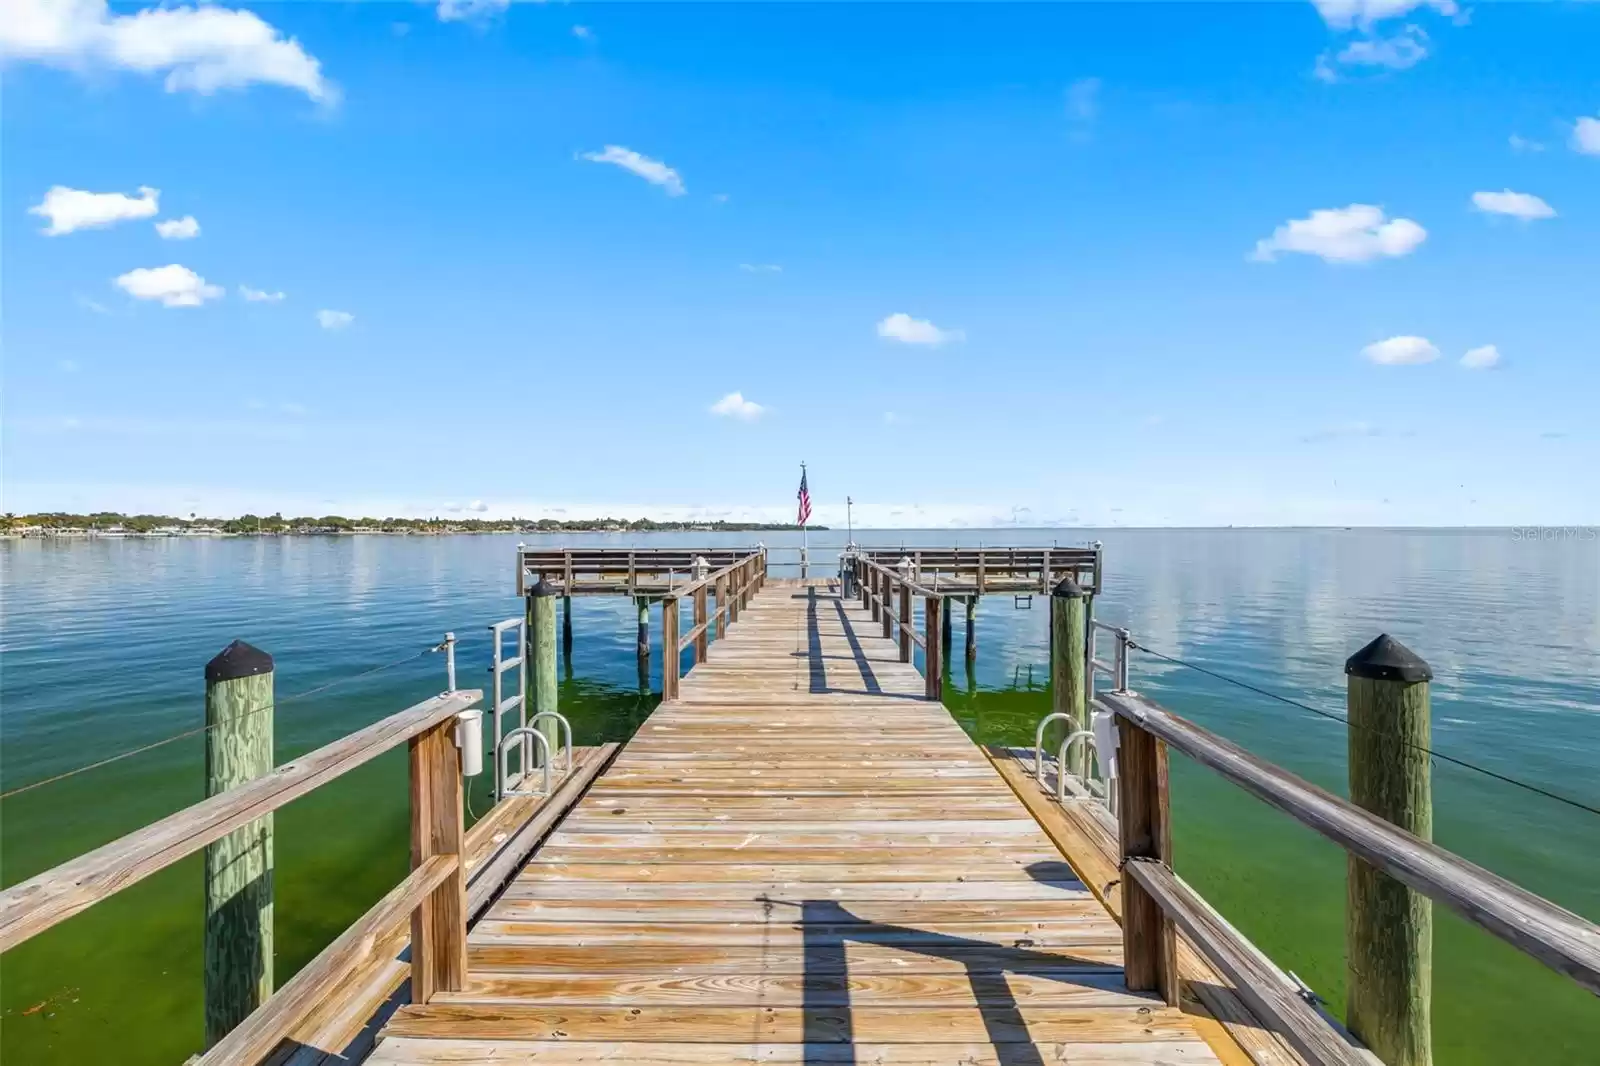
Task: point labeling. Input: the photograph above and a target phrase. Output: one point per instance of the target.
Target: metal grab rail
(1061, 762)
(504, 749)
(566, 733)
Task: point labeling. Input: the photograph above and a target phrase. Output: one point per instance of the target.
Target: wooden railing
(734, 584)
(433, 893)
(879, 585)
(1156, 902)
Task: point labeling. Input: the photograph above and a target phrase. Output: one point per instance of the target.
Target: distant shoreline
(112, 525)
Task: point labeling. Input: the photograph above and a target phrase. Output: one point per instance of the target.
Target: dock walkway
(799, 860)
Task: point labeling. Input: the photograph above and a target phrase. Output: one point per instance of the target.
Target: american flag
(805, 498)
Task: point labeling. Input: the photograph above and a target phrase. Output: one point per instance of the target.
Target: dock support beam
(439, 924)
(701, 618)
(905, 622)
(935, 618)
(670, 659)
(1144, 828)
(239, 867)
(972, 632)
(644, 642)
(1068, 668)
(944, 626)
(1388, 926)
(541, 663)
(566, 629)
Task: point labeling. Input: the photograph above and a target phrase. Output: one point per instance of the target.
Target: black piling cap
(543, 588)
(238, 660)
(1068, 589)
(1386, 659)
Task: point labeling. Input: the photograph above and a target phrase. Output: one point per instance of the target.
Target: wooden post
(875, 600)
(1067, 665)
(700, 620)
(862, 577)
(669, 648)
(722, 606)
(239, 867)
(540, 666)
(644, 642)
(905, 621)
(566, 628)
(439, 925)
(888, 590)
(933, 610)
(1144, 826)
(944, 626)
(972, 631)
(1389, 927)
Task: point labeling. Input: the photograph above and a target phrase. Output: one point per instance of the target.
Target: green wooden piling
(644, 643)
(1389, 927)
(972, 632)
(1067, 665)
(239, 867)
(541, 661)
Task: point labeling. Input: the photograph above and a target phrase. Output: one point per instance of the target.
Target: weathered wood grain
(1563, 941)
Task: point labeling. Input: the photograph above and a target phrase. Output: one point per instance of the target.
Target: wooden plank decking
(800, 860)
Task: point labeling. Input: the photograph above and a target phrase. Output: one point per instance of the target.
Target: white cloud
(92, 305)
(466, 10)
(73, 209)
(652, 170)
(173, 285)
(1400, 52)
(583, 33)
(1083, 99)
(1401, 351)
(1345, 14)
(259, 296)
(201, 49)
(761, 268)
(1516, 204)
(734, 405)
(1481, 358)
(902, 327)
(334, 319)
(1586, 136)
(477, 505)
(1353, 234)
(1520, 143)
(178, 229)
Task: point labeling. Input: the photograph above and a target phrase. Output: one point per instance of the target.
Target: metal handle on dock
(566, 735)
(504, 748)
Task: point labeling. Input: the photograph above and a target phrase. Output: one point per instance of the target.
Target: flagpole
(805, 553)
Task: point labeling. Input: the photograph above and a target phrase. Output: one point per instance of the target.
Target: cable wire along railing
(1115, 756)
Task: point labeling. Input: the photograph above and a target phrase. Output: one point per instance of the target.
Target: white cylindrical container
(469, 738)
(1104, 725)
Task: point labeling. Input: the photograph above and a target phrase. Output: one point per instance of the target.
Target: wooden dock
(799, 860)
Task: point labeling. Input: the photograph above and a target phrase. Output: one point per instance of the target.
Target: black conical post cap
(1068, 589)
(1386, 659)
(543, 588)
(238, 660)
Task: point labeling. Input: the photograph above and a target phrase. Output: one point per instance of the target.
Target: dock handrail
(876, 583)
(734, 583)
(433, 892)
(1563, 941)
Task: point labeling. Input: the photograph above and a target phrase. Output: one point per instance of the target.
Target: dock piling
(239, 866)
(934, 618)
(670, 661)
(566, 629)
(643, 649)
(972, 633)
(540, 669)
(1144, 828)
(1068, 668)
(1388, 926)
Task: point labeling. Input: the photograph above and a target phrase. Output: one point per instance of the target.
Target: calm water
(104, 642)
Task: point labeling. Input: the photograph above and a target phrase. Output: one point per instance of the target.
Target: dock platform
(801, 859)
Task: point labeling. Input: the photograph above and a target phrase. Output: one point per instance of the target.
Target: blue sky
(1135, 264)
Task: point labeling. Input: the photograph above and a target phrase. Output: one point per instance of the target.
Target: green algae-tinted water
(104, 641)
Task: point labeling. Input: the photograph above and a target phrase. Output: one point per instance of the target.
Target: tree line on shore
(115, 522)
